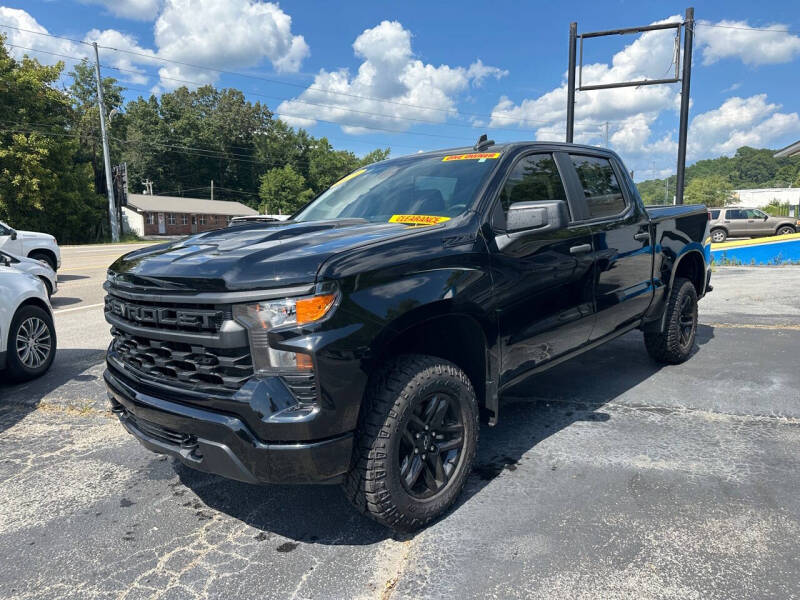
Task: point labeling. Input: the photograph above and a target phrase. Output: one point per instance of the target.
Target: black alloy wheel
(687, 321)
(431, 447)
(416, 441)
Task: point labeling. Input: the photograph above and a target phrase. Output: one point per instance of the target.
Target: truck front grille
(182, 363)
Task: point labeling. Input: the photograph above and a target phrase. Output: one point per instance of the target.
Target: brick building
(171, 215)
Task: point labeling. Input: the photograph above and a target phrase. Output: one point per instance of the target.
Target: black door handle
(641, 236)
(580, 249)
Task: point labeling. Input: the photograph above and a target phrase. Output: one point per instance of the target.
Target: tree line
(52, 176)
(711, 182)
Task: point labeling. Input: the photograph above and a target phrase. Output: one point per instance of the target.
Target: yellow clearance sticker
(418, 219)
(349, 177)
(472, 156)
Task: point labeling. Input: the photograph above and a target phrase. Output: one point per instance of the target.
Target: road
(607, 477)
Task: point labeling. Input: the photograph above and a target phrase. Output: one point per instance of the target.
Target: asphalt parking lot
(607, 477)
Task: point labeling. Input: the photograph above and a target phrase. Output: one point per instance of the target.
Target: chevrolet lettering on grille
(158, 316)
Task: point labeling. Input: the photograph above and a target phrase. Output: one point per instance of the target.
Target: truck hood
(249, 257)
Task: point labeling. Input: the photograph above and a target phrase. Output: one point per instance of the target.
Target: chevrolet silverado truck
(363, 340)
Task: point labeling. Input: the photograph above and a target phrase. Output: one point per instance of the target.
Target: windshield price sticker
(481, 156)
(349, 177)
(418, 219)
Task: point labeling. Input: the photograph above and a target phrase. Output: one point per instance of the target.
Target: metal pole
(573, 35)
(112, 213)
(212, 189)
(606, 132)
(685, 82)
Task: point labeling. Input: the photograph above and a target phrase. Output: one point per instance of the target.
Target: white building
(759, 198)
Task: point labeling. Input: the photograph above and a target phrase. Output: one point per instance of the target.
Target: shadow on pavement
(61, 301)
(573, 391)
(67, 375)
(64, 278)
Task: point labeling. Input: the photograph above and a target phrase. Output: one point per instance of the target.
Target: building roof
(790, 150)
(197, 206)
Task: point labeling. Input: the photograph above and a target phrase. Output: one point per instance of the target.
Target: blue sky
(423, 75)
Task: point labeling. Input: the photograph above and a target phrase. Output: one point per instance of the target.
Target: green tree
(712, 190)
(44, 183)
(86, 119)
(283, 191)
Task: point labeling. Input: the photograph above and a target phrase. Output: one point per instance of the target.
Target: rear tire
(417, 438)
(785, 230)
(25, 360)
(674, 345)
(43, 257)
(718, 235)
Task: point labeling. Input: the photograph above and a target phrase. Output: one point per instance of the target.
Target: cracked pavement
(607, 477)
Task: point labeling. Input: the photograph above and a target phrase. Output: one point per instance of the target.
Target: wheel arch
(692, 266)
(456, 336)
(45, 251)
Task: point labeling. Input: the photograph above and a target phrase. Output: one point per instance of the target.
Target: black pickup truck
(361, 341)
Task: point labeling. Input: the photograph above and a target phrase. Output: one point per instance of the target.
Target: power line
(52, 35)
(743, 28)
(150, 57)
(333, 106)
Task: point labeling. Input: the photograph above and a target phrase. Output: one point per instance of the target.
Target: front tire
(785, 230)
(31, 344)
(417, 439)
(674, 345)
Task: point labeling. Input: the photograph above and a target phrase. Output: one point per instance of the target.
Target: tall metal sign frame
(685, 79)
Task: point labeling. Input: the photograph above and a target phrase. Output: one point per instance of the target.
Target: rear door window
(736, 213)
(600, 186)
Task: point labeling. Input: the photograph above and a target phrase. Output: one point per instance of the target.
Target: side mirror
(766, 217)
(540, 216)
(13, 234)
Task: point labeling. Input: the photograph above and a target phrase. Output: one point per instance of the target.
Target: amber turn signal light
(314, 308)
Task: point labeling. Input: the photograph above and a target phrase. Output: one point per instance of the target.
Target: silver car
(740, 221)
(38, 268)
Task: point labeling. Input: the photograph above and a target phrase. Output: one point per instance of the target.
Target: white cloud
(390, 72)
(740, 122)
(225, 35)
(737, 39)
(222, 35)
(634, 113)
(20, 18)
(141, 10)
(636, 61)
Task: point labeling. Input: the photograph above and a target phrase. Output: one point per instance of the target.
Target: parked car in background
(35, 267)
(31, 244)
(27, 333)
(740, 221)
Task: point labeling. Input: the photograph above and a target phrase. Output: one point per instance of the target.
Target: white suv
(27, 334)
(38, 246)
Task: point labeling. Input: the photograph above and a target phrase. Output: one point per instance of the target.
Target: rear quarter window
(714, 214)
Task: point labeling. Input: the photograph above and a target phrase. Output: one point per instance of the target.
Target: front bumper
(223, 444)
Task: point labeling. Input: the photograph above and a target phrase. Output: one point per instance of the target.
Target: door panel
(624, 266)
(543, 282)
(621, 239)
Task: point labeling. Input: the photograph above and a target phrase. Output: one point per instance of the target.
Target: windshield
(438, 186)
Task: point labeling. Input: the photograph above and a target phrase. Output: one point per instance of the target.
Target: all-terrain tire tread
(664, 346)
(365, 485)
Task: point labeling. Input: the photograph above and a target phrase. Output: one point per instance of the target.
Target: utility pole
(148, 186)
(688, 38)
(573, 38)
(112, 212)
(212, 189)
(606, 130)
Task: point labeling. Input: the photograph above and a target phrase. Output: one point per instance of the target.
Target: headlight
(261, 317)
